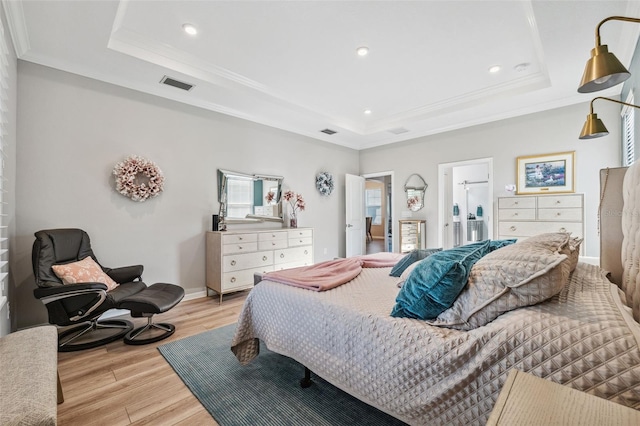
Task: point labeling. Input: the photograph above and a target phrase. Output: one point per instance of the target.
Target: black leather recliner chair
(80, 305)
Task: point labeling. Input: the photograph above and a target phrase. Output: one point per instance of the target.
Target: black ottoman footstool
(155, 299)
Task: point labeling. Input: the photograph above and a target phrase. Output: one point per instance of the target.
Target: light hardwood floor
(118, 384)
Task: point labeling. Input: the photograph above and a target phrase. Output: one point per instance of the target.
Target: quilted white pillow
(518, 275)
(83, 271)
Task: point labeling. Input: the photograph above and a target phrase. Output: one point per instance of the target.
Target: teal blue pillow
(496, 244)
(410, 258)
(436, 281)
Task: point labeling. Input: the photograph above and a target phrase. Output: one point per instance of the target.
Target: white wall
(9, 173)
(73, 130)
(550, 131)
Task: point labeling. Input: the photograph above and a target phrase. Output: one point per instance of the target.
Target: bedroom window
(628, 132)
(373, 203)
(240, 201)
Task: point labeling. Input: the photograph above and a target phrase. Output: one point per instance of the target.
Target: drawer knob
(233, 263)
(515, 214)
(264, 258)
(273, 244)
(512, 228)
(562, 230)
(558, 201)
(240, 238)
(233, 279)
(281, 255)
(515, 202)
(306, 252)
(558, 214)
(300, 241)
(239, 247)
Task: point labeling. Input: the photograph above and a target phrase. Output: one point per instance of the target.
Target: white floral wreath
(126, 173)
(324, 183)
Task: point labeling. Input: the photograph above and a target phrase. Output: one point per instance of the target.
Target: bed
(585, 336)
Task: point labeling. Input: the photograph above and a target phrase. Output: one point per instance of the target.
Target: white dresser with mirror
(233, 257)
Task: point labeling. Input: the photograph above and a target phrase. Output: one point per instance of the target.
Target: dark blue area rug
(265, 392)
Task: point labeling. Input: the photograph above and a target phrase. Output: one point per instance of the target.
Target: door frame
(442, 188)
(394, 229)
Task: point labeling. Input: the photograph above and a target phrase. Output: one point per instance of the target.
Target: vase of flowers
(296, 202)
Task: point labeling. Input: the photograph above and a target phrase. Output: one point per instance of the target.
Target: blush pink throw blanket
(331, 273)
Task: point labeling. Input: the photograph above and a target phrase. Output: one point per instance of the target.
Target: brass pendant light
(594, 127)
(603, 69)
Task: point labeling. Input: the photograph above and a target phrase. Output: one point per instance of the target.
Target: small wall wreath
(324, 183)
(138, 178)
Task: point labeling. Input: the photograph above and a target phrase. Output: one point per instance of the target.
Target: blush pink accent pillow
(84, 271)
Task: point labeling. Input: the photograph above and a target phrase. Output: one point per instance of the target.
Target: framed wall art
(547, 173)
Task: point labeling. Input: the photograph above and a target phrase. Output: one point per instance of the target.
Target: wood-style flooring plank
(118, 384)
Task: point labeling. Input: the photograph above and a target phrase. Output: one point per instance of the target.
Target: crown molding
(17, 26)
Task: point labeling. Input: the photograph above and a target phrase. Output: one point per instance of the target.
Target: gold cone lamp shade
(602, 71)
(593, 128)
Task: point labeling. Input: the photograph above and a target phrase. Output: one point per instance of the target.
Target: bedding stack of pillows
(469, 286)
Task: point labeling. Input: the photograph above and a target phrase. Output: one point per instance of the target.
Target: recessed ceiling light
(494, 69)
(362, 51)
(190, 29)
(522, 67)
(367, 111)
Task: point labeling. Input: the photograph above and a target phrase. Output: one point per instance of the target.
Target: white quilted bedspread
(425, 375)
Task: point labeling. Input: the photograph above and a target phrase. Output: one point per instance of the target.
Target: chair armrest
(125, 274)
(97, 293)
(69, 290)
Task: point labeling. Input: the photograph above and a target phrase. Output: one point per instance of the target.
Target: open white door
(355, 232)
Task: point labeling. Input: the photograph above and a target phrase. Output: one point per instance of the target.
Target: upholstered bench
(29, 386)
(155, 299)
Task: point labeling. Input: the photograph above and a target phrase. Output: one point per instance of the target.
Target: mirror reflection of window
(373, 204)
(239, 197)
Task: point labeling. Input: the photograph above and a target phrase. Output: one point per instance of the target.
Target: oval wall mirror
(415, 188)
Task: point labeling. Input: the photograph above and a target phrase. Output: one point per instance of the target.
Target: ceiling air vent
(175, 83)
(329, 131)
(398, 130)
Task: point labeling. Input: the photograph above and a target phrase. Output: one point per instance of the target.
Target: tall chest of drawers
(413, 235)
(232, 257)
(525, 216)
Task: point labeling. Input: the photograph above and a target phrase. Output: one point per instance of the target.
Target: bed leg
(305, 382)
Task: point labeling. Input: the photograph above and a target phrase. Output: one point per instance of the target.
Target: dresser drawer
(560, 201)
(240, 247)
(294, 254)
(410, 239)
(516, 214)
(289, 265)
(574, 214)
(243, 278)
(517, 203)
(239, 238)
(273, 236)
(300, 233)
(300, 241)
(237, 262)
(529, 229)
(272, 245)
(407, 247)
